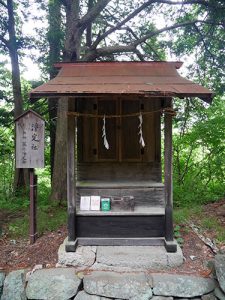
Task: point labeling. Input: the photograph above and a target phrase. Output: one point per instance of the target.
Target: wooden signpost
(30, 128)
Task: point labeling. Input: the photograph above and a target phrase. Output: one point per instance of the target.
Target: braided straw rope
(166, 110)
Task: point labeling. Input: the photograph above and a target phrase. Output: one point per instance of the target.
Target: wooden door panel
(129, 142)
(107, 107)
(149, 131)
(86, 131)
(121, 133)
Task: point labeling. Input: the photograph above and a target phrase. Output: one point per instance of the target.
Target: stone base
(71, 246)
(81, 258)
(171, 246)
(112, 257)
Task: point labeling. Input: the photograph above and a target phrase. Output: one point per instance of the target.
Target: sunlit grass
(185, 214)
(50, 215)
(211, 223)
(47, 220)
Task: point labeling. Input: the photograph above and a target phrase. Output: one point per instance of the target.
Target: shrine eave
(160, 79)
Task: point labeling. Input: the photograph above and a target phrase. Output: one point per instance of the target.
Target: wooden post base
(171, 246)
(71, 246)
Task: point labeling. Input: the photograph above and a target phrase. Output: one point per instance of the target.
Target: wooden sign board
(30, 128)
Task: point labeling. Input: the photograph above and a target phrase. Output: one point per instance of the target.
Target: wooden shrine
(114, 122)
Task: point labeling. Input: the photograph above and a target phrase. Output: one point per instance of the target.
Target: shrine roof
(141, 78)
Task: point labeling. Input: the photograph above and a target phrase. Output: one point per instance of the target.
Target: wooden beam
(33, 206)
(168, 169)
(71, 184)
(121, 241)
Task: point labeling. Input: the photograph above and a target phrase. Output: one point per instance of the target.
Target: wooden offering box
(125, 203)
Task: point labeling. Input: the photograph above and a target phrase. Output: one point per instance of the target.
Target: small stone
(219, 293)
(220, 270)
(14, 286)
(84, 296)
(193, 257)
(133, 286)
(84, 256)
(53, 284)
(181, 286)
(37, 267)
(80, 275)
(210, 296)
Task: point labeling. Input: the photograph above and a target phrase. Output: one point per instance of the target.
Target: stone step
(139, 257)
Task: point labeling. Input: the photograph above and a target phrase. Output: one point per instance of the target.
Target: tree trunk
(54, 40)
(73, 32)
(59, 178)
(71, 53)
(21, 175)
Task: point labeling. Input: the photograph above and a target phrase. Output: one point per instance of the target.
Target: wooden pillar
(71, 182)
(168, 178)
(33, 206)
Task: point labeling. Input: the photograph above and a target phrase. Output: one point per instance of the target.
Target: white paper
(85, 202)
(141, 139)
(95, 202)
(106, 144)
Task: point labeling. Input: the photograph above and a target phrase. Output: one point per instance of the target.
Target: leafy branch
(95, 53)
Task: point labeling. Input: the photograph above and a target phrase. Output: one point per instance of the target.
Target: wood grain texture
(71, 186)
(122, 133)
(112, 171)
(30, 130)
(120, 241)
(168, 152)
(142, 196)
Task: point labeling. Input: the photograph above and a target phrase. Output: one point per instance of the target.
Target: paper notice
(95, 202)
(85, 202)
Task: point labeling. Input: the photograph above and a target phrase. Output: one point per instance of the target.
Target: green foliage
(199, 153)
(178, 236)
(50, 216)
(204, 41)
(211, 223)
(183, 215)
(47, 220)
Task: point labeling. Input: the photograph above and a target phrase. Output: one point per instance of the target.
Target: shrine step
(120, 226)
(144, 193)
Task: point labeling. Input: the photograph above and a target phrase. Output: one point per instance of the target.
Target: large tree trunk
(21, 175)
(54, 40)
(71, 53)
(59, 178)
(75, 27)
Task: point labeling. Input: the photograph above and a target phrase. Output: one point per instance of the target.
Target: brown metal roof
(95, 78)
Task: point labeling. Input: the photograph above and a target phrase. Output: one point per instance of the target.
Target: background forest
(46, 32)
